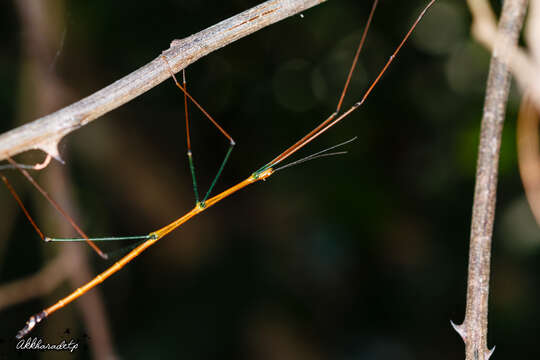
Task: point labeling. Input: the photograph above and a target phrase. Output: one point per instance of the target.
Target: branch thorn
(51, 148)
(490, 352)
(459, 329)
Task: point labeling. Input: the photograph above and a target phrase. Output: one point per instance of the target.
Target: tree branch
(474, 328)
(46, 132)
(523, 67)
(528, 148)
(527, 124)
(36, 285)
(45, 92)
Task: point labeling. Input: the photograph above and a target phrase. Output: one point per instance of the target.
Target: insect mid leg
(189, 152)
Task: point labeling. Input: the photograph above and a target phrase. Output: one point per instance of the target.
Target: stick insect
(204, 202)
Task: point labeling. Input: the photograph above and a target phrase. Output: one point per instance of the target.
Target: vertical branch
(474, 328)
(528, 144)
(528, 148)
(40, 30)
(77, 269)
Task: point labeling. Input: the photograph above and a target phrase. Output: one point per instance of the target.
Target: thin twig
(46, 132)
(474, 328)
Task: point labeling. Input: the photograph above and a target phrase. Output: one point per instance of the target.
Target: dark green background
(362, 256)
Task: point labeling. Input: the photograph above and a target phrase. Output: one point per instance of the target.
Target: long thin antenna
(318, 155)
(309, 158)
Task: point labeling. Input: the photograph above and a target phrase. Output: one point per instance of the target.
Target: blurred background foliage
(358, 257)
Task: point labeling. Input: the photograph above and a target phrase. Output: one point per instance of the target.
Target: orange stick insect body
(262, 174)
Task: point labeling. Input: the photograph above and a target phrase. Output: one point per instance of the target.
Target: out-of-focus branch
(41, 283)
(484, 25)
(522, 66)
(46, 132)
(474, 328)
(529, 154)
(527, 124)
(78, 270)
(40, 28)
(532, 31)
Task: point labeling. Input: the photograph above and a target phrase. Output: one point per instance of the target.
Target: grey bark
(46, 132)
(474, 328)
